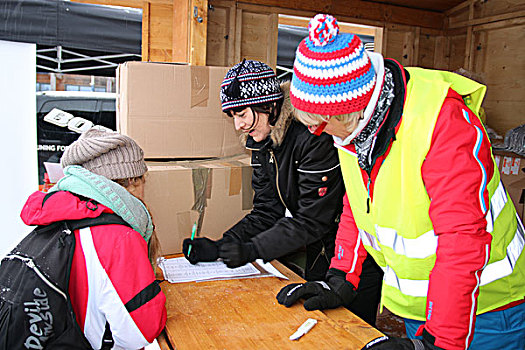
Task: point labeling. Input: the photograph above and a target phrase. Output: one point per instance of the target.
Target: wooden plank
(254, 37)
(427, 48)
(238, 35)
(415, 54)
(273, 33)
(198, 32)
(160, 32)
(163, 341)
(506, 16)
(232, 36)
(515, 22)
(145, 31)
(492, 8)
(343, 27)
(441, 58)
(459, 7)
(378, 40)
(456, 51)
(408, 49)
(384, 43)
(218, 35)
(499, 60)
(360, 10)
(243, 313)
(468, 44)
(180, 41)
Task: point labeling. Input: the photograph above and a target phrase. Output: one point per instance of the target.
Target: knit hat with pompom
(106, 153)
(333, 74)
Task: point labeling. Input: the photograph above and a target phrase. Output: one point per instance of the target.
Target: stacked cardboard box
(512, 170)
(174, 113)
(213, 193)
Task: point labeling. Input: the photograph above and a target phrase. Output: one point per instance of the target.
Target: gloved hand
(394, 343)
(202, 249)
(235, 253)
(320, 295)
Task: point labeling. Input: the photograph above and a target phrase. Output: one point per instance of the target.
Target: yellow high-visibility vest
(398, 231)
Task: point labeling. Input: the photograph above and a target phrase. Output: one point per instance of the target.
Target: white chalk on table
(304, 328)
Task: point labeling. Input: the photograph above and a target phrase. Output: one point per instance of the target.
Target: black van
(63, 115)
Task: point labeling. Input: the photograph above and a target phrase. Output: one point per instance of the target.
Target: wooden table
(244, 314)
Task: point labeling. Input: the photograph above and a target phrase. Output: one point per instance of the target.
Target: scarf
(81, 181)
(365, 140)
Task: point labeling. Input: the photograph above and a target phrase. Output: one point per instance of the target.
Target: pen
(305, 328)
(193, 229)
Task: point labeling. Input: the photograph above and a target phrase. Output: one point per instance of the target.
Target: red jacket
(450, 171)
(110, 267)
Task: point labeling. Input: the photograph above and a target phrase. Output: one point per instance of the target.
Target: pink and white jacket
(110, 267)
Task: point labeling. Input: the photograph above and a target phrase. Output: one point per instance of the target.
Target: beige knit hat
(106, 153)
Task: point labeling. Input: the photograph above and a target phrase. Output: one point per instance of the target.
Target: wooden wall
(486, 37)
(483, 36)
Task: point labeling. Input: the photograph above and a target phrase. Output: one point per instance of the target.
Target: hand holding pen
(199, 249)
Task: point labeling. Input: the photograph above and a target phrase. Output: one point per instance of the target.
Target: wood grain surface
(244, 314)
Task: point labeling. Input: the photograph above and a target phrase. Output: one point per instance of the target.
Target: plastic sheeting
(72, 25)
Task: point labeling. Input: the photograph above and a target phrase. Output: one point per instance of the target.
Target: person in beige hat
(112, 263)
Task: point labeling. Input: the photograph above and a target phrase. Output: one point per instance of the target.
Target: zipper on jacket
(368, 191)
(321, 253)
(274, 160)
(31, 264)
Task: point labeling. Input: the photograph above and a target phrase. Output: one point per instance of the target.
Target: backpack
(35, 308)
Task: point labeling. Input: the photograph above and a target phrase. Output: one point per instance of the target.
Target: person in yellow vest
(423, 196)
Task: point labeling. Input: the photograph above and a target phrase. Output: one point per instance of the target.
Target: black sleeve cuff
(337, 280)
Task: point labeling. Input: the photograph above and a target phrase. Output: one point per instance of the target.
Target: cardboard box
(512, 170)
(174, 111)
(215, 193)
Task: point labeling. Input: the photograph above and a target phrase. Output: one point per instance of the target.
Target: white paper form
(270, 269)
(177, 270)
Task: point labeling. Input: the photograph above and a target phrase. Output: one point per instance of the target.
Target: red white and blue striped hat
(333, 74)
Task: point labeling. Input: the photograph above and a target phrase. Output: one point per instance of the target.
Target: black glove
(320, 295)
(394, 343)
(202, 249)
(235, 253)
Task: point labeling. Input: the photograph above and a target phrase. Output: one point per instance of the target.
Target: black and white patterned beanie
(249, 83)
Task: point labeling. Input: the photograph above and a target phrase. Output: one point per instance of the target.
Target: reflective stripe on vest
(398, 232)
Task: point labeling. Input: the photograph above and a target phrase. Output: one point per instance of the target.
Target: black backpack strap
(107, 339)
(103, 219)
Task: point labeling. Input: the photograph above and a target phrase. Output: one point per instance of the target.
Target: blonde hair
(308, 118)
(153, 243)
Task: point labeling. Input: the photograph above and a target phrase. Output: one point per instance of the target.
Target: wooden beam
(468, 45)
(146, 31)
(271, 52)
(501, 24)
(198, 32)
(485, 20)
(378, 40)
(238, 35)
(417, 34)
(343, 27)
(181, 31)
(358, 11)
(459, 7)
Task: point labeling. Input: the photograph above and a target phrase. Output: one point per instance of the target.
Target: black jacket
(310, 187)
